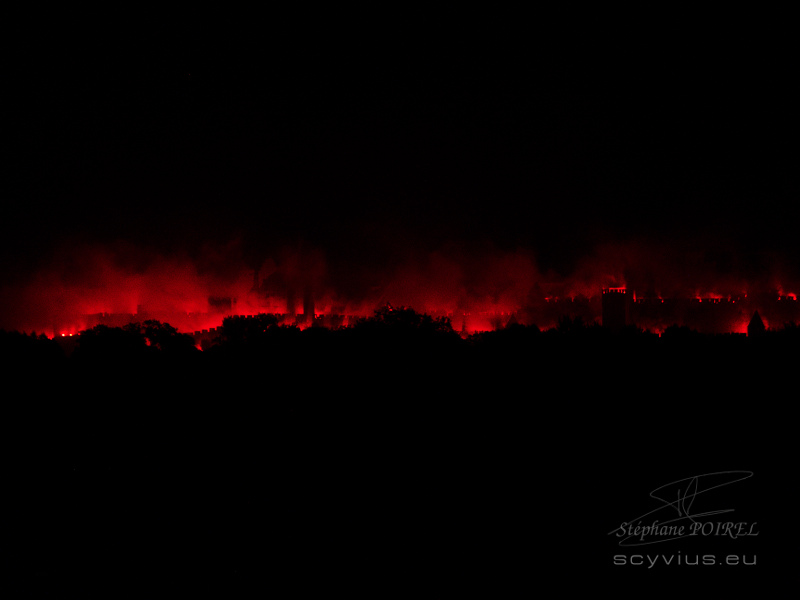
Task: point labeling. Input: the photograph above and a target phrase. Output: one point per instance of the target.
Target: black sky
(365, 139)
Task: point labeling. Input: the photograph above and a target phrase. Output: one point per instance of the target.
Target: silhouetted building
(756, 326)
(616, 308)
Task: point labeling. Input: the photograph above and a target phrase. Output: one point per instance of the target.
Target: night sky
(373, 144)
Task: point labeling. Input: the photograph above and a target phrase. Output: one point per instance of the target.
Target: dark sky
(411, 132)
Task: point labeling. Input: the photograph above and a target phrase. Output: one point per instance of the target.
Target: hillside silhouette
(394, 445)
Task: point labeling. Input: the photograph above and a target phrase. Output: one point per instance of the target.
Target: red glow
(478, 293)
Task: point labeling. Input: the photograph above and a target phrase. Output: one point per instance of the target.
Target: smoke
(471, 283)
(86, 279)
(692, 268)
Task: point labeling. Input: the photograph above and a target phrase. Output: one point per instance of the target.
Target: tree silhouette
(166, 338)
(102, 342)
(240, 330)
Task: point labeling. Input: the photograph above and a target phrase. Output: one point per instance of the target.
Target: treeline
(391, 331)
(401, 353)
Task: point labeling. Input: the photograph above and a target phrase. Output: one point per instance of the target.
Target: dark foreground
(395, 469)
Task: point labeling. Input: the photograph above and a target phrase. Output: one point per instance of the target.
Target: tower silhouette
(756, 326)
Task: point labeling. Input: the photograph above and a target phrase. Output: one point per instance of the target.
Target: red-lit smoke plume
(478, 287)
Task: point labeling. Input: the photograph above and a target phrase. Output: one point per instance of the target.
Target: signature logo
(678, 498)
